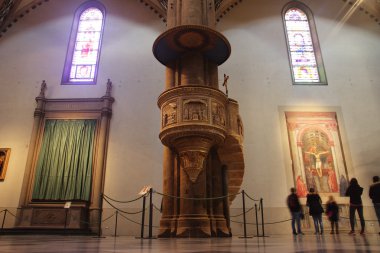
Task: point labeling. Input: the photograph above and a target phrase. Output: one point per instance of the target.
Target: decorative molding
(159, 7)
(8, 15)
(5, 9)
(14, 16)
(361, 6)
(192, 163)
(224, 7)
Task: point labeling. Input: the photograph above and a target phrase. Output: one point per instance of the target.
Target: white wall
(34, 50)
(260, 80)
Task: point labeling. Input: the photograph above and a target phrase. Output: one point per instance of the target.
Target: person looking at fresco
(374, 194)
(313, 201)
(295, 210)
(354, 191)
(332, 212)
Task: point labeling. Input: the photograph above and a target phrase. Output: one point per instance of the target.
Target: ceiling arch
(13, 10)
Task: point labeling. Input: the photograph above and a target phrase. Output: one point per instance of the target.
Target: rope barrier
(138, 223)
(11, 213)
(358, 219)
(158, 209)
(251, 197)
(127, 201)
(6, 210)
(122, 210)
(108, 218)
(233, 216)
(266, 223)
(171, 196)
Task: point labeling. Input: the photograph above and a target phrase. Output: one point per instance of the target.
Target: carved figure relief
(192, 163)
(195, 110)
(218, 114)
(169, 114)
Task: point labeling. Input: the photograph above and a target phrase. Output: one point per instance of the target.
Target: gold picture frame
(4, 159)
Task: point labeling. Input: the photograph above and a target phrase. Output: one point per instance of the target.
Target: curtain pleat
(64, 165)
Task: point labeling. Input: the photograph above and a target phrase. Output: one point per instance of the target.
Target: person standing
(332, 211)
(313, 201)
(374, 194)
(295, 210)
(354, 191)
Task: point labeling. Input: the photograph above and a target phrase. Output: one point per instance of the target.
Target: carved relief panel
(218, 114)
(169, 113)
(195, 110)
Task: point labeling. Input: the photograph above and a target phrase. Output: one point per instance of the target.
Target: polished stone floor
(342, 243)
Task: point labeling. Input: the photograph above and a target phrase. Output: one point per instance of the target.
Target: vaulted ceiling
(13, 10)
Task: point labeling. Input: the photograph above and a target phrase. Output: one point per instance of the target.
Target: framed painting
(317, 155)
(4, 159)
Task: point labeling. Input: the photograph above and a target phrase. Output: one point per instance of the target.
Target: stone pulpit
(200, 126)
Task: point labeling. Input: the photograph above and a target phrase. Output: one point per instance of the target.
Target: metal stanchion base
(261, 236)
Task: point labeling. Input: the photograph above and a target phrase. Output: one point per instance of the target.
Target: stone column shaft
(168, 189)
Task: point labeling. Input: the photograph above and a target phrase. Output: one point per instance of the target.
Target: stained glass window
(83, 54)
(304, 52)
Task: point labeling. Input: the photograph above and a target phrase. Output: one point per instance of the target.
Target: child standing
(332, 211)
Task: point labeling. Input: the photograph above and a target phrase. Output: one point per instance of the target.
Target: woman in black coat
(354, 191)
(313, 201)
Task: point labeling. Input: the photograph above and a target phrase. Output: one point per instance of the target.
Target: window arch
(82, 58)
(303, 46)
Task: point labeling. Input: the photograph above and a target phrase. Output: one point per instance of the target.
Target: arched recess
(38, 211)
(305, 56)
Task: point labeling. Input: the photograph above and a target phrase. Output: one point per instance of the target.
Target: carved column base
(220, 227)
(193, 226)
(167, 227)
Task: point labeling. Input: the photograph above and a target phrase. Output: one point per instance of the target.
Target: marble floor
(342, 243)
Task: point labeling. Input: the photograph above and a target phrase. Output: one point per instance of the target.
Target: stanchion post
(245, 223)
(143, 218)
(5, 215)
(117, 212)
(262, 215)
(257, 221)
(150, 212)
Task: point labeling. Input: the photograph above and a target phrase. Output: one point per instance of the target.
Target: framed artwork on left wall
(4, 159)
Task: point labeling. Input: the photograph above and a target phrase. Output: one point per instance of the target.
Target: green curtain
(64, 166)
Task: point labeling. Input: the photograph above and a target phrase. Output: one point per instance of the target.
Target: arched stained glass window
(303, 46)
(82, 57)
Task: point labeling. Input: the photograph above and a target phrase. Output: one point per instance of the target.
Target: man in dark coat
(354, 191)
(295, 210)
(374, 194)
